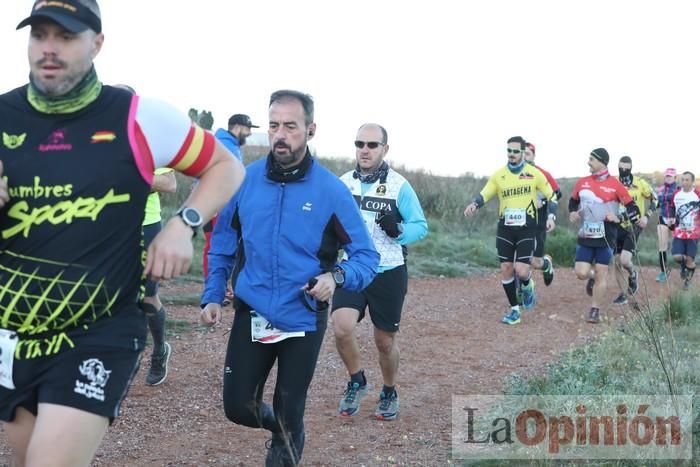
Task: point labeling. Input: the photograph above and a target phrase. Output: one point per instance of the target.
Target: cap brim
(254, 126)
(67, 22)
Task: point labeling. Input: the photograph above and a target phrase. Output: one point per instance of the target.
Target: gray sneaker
(621, 299)
(388, 406)
(159, 367)
(350, 402)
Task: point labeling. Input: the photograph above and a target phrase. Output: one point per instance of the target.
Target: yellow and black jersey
(639, 191)
(517, 194)
(71, 251)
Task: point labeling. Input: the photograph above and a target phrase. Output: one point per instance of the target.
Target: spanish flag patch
(103, 137)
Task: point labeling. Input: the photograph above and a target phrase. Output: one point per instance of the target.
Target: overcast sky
(450, 80)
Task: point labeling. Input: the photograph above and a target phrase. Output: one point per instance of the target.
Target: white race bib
(594, 229)
(514, 217)
(262, 331)
(8, 343)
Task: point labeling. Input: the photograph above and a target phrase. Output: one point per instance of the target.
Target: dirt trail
(451, 342)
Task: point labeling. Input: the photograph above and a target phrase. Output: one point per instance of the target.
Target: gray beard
(291, 159)
(59, 88)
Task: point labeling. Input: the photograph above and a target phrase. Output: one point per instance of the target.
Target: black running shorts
(384, 297)
(89, 371)
(627, 240)
(515, 242)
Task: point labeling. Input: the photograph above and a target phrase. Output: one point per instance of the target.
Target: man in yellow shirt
(163, 182)
(516, 185)
(628, 233)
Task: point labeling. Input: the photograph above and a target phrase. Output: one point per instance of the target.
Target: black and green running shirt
(70, 237)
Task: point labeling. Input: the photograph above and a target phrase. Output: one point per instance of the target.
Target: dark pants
(248, 365)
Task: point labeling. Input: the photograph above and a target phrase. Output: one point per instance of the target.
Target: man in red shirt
(595, 203)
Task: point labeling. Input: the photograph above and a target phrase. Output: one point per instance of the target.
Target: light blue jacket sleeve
(414, 225)
(222, 254)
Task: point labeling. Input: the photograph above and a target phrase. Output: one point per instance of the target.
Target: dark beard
(290, 159)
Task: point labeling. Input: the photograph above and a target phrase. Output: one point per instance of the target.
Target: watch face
(338, 277)
(192, 216)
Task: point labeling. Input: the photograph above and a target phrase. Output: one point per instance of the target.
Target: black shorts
(627, 240)
(91, 371)
(149, 233)
(515, 242)
(384, 296)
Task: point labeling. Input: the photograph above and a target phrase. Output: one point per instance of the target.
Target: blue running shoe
(513, 317)
(529, 295)
(661, 277)
(350, 403)
(388, 406)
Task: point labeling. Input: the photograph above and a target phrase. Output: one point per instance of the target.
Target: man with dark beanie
(77, 164)
(595, 203)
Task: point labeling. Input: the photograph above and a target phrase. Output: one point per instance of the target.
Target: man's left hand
(324, 288)
(170, 253)
(389, 223)
(550, 225)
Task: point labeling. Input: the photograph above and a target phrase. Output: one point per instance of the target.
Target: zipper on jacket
(275, 299)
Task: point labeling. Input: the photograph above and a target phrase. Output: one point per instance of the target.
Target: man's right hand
(471, 209)
(574, 216)
(4, 193)
(211, 314)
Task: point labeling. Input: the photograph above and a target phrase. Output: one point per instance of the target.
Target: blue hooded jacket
(230, 142)
(281, 234)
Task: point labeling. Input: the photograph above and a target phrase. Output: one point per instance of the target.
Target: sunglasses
(514, 151)
(370, 144)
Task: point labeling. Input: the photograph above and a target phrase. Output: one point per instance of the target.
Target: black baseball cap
(241, 119)
(70, 14)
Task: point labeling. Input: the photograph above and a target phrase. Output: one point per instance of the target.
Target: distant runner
(595, 203)
(628, 233)
(666, 220)
(516, 186)
(686, 204)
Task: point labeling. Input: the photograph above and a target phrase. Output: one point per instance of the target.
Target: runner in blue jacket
(281, 236)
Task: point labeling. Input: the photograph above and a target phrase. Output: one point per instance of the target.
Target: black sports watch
(338, 276)
(191, 217)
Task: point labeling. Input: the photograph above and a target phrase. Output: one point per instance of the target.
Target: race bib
(593, 229)
(262, 331)
(8, 343)
(514, 217)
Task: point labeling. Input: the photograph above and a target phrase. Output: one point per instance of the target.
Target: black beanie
(602, 155)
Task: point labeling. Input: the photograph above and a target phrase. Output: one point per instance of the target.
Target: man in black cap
(239, 128)
(595, 201)
(77, 166)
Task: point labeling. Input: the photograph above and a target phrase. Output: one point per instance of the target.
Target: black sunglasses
(370, 144)
(514, 151)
